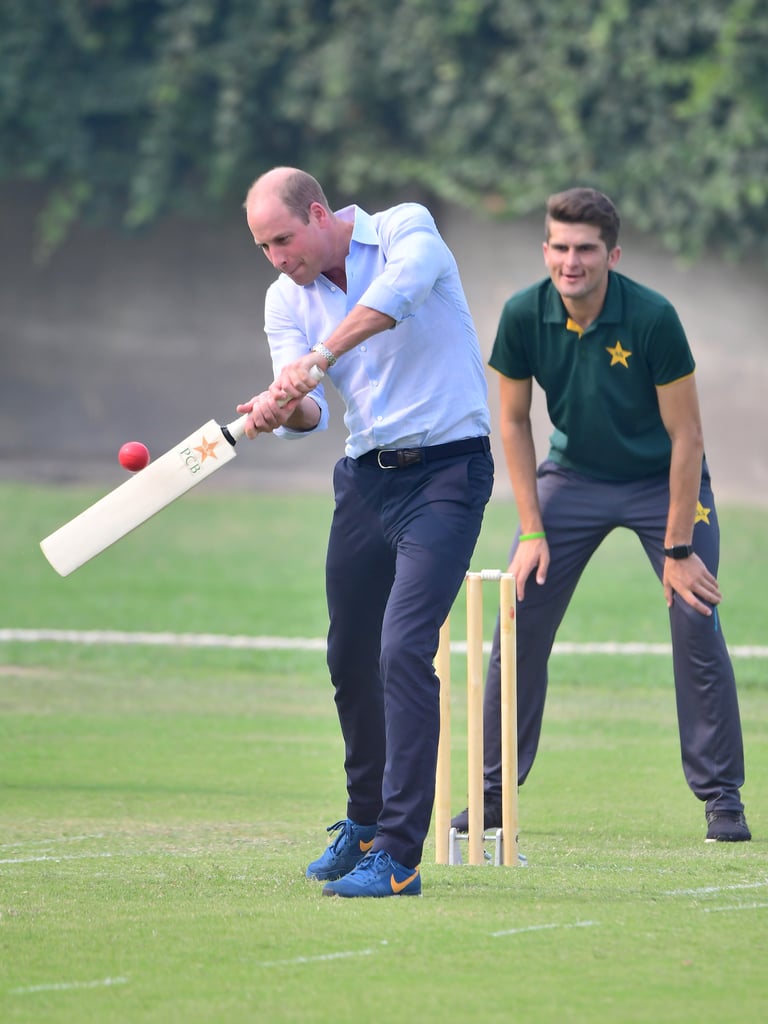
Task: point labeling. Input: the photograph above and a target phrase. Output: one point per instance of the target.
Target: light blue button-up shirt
(420, 383)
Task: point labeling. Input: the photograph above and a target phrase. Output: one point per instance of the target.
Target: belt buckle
(403, 457)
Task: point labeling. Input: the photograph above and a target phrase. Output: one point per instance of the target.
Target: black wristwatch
(679, 551)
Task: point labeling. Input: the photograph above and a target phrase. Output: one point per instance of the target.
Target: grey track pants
(578, 513)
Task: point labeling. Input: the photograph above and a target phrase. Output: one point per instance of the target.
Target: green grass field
(159, 804)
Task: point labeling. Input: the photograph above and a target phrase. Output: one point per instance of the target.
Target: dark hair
(585, 206)
(299, 191)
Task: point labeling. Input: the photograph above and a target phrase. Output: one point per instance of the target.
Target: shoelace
(345, 831)
(373, 862)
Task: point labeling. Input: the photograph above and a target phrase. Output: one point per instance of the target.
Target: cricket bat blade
(133, 502)
(151, 489)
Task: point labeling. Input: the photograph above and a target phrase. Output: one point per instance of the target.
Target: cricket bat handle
(236, 429)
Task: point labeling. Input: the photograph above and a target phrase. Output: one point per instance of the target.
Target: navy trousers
(400, 544)
(578, 513)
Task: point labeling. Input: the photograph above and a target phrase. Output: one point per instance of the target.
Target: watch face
(679, 551)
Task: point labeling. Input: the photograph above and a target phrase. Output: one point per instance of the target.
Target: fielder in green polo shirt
(614, 363)
(600, 381)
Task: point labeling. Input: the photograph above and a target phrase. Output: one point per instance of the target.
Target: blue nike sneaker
(344, 852)
(377, 875)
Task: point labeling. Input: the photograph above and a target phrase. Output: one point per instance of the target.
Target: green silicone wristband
(533, 536)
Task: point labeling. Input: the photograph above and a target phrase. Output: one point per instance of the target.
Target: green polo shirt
(601, 384)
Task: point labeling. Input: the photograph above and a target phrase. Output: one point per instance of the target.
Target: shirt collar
(364, 228)
(363, 232)
(555, 312)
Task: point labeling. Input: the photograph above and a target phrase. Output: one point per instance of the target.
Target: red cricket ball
(133, 456)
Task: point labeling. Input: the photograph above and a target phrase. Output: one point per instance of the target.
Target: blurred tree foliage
(129, 109)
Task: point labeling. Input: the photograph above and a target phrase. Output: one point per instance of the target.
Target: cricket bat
(177, 471)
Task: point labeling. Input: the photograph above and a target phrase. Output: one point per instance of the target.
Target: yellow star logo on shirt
(207, 449)
(702, 514)
(618, 355)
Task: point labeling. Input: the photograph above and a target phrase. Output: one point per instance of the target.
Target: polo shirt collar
(555, 312)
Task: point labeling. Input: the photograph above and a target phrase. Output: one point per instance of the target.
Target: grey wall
(146, 337)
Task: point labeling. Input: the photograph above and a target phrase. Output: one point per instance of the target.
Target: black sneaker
(727, 827)
(491, 817)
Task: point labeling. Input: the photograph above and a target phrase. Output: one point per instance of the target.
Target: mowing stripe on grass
(283, 643)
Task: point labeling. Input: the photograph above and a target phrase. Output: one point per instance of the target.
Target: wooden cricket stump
(505, 839)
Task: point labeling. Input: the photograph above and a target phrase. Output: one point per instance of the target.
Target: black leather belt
(400, 458)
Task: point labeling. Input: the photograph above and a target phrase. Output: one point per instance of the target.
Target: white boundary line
(282, 643)
(66, 986)
(735, 906)
(54, 839)
(541, 928)
(56, 858)
(321, 957)
(109, 636)
(708, 889)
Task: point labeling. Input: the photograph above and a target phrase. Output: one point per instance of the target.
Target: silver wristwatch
(325, 352)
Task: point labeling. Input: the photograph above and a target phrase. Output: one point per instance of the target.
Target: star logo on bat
(618, 355)
(207, 449)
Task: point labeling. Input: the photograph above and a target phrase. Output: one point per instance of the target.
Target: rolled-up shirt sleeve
(416, 258)
(398, 265)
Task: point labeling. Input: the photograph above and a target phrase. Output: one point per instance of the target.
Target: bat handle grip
(236, 429)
